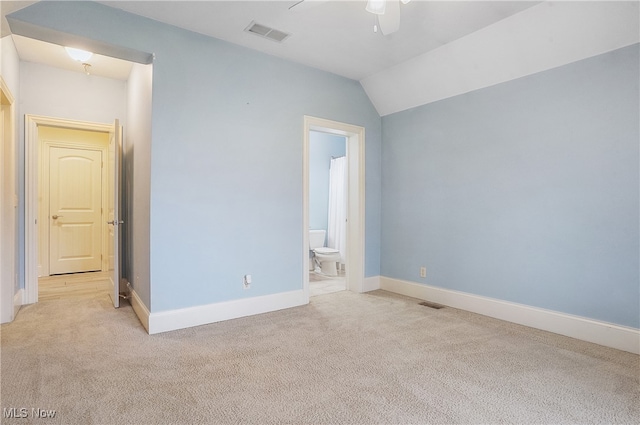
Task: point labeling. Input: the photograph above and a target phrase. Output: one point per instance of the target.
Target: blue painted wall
(526, 191)
(226, 155)
(322, 147)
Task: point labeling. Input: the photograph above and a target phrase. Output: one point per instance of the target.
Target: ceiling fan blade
(390, 21)
(303, 5)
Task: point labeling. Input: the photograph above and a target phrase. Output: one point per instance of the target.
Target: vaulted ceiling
(442, 48)
(335, 36)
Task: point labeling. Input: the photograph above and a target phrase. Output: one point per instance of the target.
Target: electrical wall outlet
(246, 281)
(423, 272)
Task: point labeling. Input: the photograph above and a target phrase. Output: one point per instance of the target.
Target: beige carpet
(374, 358)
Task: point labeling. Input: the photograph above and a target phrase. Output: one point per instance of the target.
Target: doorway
(84, 225)
(354, 252)
(72, 176)
(327, 212)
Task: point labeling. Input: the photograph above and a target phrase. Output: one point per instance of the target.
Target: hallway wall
(137, 176)
(53, 92)
(9, 263)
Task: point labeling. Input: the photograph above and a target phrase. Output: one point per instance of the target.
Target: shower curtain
(337, 223)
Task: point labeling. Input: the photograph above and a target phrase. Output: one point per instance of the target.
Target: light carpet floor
(346, 358)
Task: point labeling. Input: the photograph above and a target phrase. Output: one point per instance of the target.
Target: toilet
(327, 258)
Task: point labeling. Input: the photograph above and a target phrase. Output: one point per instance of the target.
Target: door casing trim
(10, 300)
(355, 136)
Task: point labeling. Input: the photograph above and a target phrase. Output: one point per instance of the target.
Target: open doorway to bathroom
(355, 195)
(327, 213)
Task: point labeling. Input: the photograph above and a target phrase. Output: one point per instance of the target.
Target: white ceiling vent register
(266, 32)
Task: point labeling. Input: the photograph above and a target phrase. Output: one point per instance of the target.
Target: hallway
(74, 285)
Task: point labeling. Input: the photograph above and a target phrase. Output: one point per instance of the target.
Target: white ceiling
(31, 50)
(336, 36)
(8, 7)
(543, 37)
(442, 49)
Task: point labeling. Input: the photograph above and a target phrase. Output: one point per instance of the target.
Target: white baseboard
(9, 315)
(165, 321)
(140, 309)
(371, 283)
(18, 300)
(603, 333)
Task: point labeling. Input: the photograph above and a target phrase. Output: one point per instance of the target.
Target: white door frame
(31, 123)
(355, 199)
(10, 296)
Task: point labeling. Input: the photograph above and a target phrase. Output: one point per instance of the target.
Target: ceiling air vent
(266, 32)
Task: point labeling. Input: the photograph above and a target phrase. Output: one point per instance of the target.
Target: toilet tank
(316, 238)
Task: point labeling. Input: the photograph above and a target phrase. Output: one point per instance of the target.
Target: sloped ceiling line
(527, 38)
(546, 36)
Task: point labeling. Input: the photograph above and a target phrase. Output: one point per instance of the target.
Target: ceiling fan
(387, 12)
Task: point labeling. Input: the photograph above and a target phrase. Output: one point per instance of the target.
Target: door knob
(55, 216)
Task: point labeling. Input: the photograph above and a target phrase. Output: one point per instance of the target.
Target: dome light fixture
(78, 54)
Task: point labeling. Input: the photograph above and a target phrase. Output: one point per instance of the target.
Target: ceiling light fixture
(377, 7)
(388, 18)
(78, 54)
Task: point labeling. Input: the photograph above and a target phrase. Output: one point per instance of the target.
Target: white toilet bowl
(327, 258)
